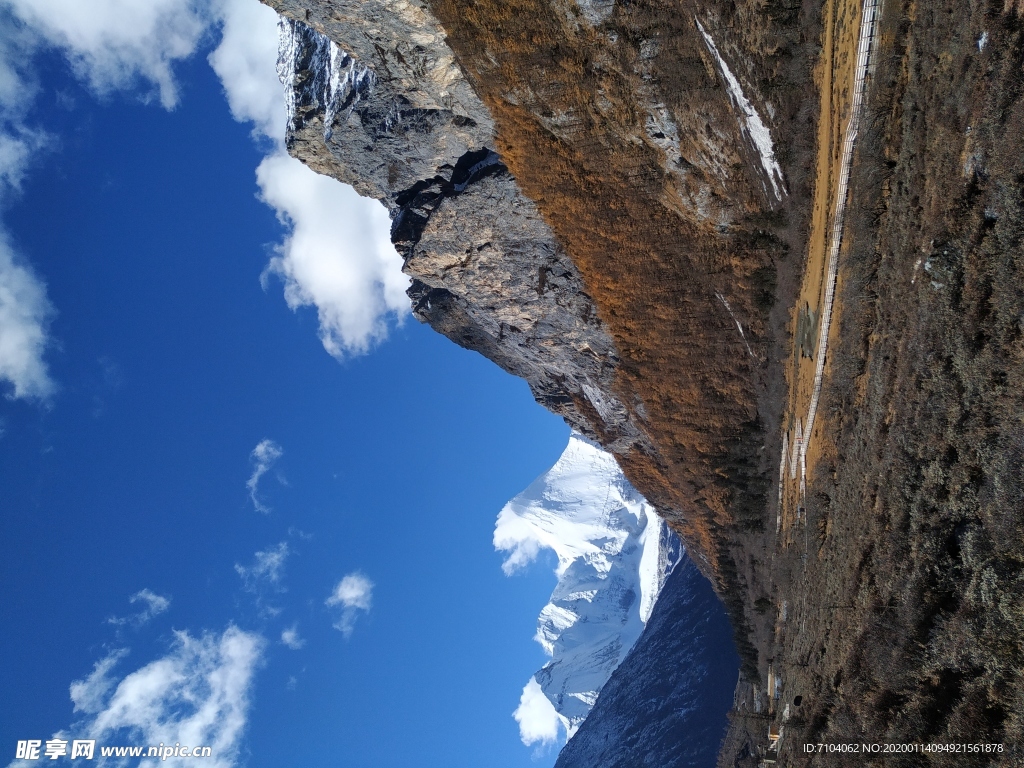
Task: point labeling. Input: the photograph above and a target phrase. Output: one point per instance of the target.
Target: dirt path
(848, 36)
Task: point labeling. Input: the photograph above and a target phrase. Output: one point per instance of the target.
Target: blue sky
(129, 429)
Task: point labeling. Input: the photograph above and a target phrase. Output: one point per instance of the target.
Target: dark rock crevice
(413, 206)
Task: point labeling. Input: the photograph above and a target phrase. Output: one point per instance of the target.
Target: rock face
(614, 556)
(391, 115)
(645, 135)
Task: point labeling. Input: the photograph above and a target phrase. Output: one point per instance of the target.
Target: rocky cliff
(390, 113)
(595, 196)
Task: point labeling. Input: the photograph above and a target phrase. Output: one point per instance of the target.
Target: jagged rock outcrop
(391, 115)
(375, 97)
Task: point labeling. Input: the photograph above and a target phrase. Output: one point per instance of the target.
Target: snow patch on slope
(751, 123)
(614, 555)
(340, 82)
(596, 11)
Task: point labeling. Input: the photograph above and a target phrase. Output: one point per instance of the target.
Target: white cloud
(18, 143)
(538, 720)
(17, 86)
(352, 594)
(18, 89)
(267, 567)
(25, 313)
(338, 256)
(262, 457)
(291, 638)
(89, 695)
(516, 535)
(197, 695)
(116, 44)
(246, 63)
(153, 605)
(353, 591)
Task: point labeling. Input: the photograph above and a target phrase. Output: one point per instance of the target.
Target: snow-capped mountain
(614, 555)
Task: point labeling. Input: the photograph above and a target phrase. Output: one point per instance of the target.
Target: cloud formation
(89, 695)
(267, 567)
(291, 638)
(338, 255)
(196, 695)
(246, 63)
(151, 603)
(111, 45)
(120, 44)
(262, 457)
(18, 88)
(25, 311)
(338, 258)
(353, 594)
(538, 720)
(25, 314)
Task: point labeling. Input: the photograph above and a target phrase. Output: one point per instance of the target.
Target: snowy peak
(614, 555)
